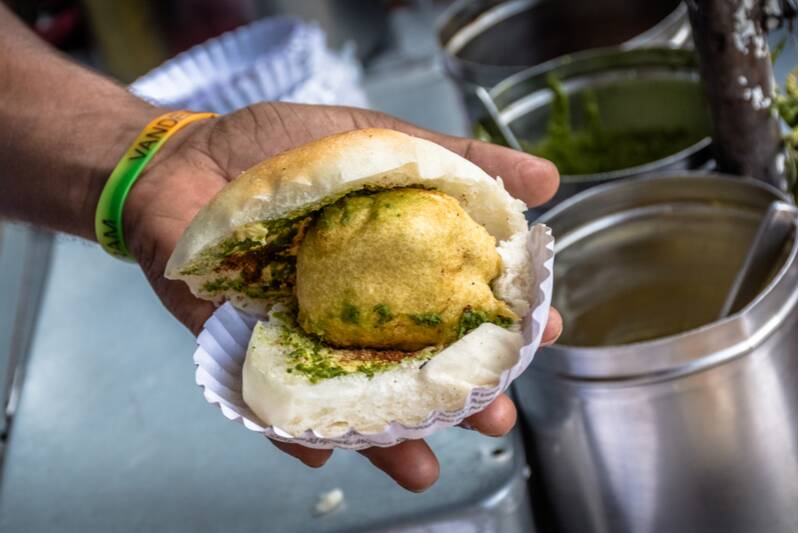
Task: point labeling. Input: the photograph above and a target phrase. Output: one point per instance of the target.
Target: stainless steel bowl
(485, 41)
(650, 414)
(645, 88)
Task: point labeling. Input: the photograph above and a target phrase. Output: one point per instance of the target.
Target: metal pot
(485, 41)
(646, 88)
(651, 415)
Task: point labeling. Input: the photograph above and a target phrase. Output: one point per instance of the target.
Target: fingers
(496, 420)
(190, 310)
(411, 464)
(308, 456)
(553, 329)
(501, 415)
(194, 313)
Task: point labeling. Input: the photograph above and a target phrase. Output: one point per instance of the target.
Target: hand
(201, 158)
(57, 153)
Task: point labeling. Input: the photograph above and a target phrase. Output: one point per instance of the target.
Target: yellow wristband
(108, 216)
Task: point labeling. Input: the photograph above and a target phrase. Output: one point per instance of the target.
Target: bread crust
(331, 166)
(309, 175)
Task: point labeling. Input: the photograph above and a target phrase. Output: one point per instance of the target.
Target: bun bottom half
(406, 393)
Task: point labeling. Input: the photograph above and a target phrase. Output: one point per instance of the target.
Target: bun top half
(313, 175)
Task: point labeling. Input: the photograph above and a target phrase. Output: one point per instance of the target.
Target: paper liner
(222, 346)
(277, 58)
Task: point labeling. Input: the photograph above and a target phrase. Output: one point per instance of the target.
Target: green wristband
(108, 216)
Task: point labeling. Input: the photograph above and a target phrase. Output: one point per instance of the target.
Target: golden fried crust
(395, 269)
(332, 166)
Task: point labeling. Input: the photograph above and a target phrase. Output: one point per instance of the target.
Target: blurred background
(670, 403)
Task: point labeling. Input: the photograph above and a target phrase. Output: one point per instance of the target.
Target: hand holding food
(389, 269)
(58, 168)
(202, 158)
(59, 153)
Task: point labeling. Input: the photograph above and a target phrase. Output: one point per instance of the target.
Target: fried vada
(395, 269)
(390, 274)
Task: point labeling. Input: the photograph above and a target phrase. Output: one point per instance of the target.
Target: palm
(200, 160)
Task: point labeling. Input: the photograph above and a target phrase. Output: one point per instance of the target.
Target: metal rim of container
(556, 360)
(686, 58)
(451, 44)
(501, 11)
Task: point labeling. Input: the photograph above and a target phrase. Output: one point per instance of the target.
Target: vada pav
(396, 269)
(391, 276)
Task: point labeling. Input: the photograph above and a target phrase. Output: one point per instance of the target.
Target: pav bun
(266, 211)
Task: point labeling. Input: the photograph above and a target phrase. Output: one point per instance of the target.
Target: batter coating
(396, 269)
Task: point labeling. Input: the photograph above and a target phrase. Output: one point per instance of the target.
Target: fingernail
(553, 338)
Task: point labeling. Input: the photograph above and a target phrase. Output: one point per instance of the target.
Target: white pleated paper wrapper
(222, 346)
(273, 59)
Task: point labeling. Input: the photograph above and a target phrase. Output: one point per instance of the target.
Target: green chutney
(593, 148)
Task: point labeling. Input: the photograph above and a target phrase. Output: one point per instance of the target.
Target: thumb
(531, 179)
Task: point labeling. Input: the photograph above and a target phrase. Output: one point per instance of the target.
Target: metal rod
(508, 135)
(777, 225)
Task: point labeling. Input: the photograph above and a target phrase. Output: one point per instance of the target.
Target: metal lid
(640, 89)
(620, 237)
(475, 34)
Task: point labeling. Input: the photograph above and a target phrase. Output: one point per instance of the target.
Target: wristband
(108, 216)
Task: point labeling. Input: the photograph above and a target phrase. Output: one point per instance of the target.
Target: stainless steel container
(650, 415)
(646, 88)
(485, 41)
